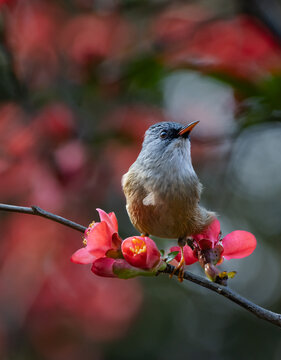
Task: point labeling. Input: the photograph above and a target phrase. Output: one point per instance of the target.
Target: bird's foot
(180, 269)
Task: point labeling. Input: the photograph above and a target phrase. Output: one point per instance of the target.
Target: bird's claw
(180, 269)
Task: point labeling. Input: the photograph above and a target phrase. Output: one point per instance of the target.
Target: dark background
(80, 82)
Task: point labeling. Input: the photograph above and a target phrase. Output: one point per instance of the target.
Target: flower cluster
(139, 255)
(210, 249)
(112, 257)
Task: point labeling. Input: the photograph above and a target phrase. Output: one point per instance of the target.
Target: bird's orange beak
(188, 128)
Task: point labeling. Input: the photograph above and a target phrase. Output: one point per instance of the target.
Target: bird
(162, 189)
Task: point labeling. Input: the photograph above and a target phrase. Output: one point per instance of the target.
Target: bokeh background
(80, 82)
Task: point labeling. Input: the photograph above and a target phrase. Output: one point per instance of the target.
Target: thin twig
(257, 310)
(272, 317)
(35, 210)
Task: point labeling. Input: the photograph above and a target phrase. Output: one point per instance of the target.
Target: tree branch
(272, 317)
(35, 210)
(257, 310)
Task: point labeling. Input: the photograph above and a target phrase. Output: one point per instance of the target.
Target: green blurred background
(80, 82)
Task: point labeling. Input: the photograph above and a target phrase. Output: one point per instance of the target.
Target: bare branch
(267, 315)
(257, 310)
(35, 210)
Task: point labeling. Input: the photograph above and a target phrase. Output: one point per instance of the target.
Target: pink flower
(139, 255)
(100, 239)
(210, 248)
(141, 252)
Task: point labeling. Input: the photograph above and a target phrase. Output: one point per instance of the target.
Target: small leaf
(171, 256)
(227, 275)
(223, 275)
(161, 266)
(231, 274)
(162, 252)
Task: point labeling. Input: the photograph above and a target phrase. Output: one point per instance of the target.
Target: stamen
(90, 227)
(138, 247)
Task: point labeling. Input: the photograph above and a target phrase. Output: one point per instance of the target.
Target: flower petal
(211, 233)
(99, 239)
(153, 254)
(82, 256)
(188, 254)
(110, 219)
(238, 244)
(114, 221)
(103, 267)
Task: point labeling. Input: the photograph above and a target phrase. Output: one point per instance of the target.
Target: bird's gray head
(166, 141)
(164, 161)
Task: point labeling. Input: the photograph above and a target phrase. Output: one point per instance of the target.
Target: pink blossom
(103, 250)
(188, 254)
(235, 245)
(100, 238)
(110, 257)
(140, 252)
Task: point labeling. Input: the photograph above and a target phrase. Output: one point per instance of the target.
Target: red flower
(236, 245)
(141, 252)
(103, 250)
(100, 238)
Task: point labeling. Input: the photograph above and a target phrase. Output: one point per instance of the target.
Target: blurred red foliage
(91, 38)
(16, 138)
(31, 34)
(7, 2)
(102, 308)
(174, 27)
(56, 121)
(241, 46)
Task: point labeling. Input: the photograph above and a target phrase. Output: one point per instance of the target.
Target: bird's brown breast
(164, 215)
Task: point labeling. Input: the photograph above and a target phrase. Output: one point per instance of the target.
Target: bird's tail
(209, 216)
(206, 218)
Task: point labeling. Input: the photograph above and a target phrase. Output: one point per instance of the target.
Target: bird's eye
(163, 134)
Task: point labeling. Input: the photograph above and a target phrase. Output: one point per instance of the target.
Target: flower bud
(103, 267)
(140, 252)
